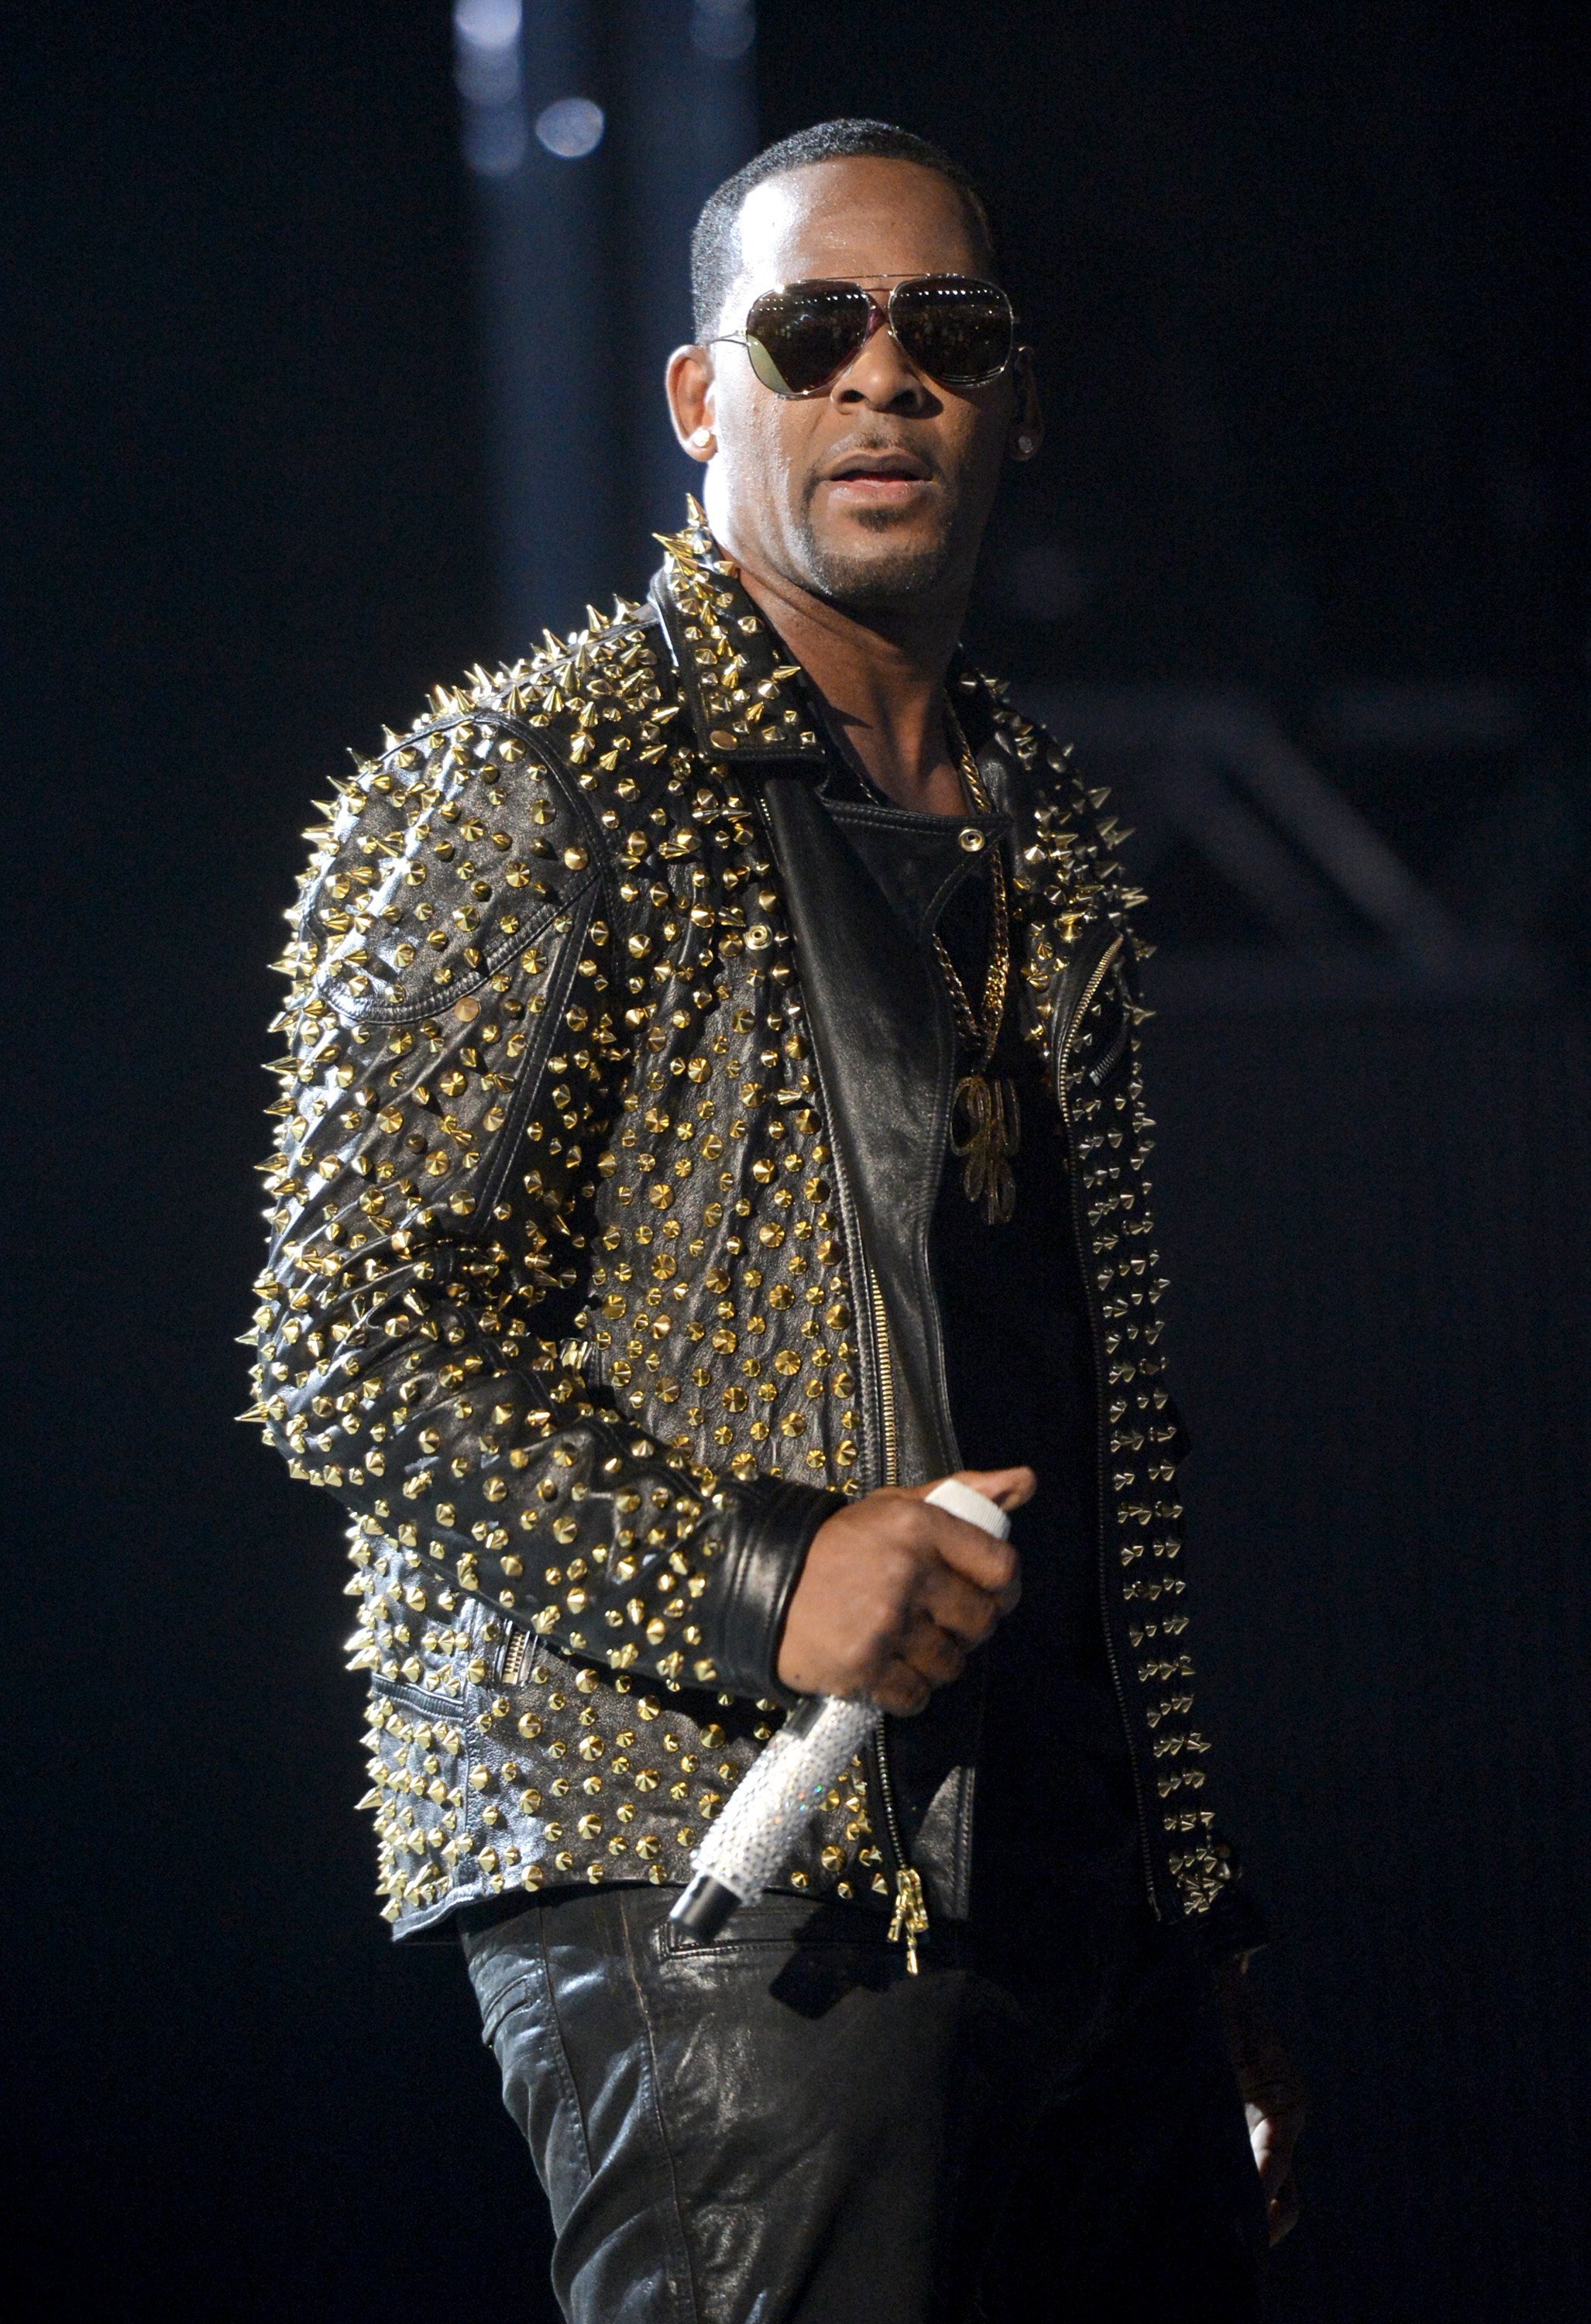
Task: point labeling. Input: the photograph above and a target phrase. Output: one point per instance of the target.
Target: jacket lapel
(884, 1046)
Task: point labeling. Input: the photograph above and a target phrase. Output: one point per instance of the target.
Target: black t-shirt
(1018, 1356)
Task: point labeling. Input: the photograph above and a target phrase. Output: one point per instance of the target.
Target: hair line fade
(714, 258)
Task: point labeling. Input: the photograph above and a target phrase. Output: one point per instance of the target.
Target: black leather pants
(785, 2128)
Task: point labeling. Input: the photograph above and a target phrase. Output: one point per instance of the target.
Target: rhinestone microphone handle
(752, 1841)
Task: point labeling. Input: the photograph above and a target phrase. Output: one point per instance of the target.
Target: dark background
(1308, 283)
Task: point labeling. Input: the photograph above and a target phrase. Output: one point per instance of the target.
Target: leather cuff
(756, 1581)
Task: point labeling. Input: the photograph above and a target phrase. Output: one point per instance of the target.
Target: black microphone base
(704, 1907)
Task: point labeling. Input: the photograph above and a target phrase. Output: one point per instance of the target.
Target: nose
(880, 374)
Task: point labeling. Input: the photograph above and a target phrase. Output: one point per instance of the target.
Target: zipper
(886, 1373)
(910, 1918)
(1101, 1074)
(1095, 979)
(1102, 968)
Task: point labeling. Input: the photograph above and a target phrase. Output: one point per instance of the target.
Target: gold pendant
(986, 1129)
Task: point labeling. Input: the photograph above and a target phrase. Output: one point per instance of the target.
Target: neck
(881, 685)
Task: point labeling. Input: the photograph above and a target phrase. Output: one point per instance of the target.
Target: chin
(876, 572)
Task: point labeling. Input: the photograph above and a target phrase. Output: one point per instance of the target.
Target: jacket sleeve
(455, 1048)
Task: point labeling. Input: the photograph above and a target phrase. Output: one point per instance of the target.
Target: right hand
(894, 1594)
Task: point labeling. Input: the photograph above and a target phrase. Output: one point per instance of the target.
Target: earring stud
(1025, 446)
(701, 438)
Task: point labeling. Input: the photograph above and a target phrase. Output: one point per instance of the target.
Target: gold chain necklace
(986, 1125)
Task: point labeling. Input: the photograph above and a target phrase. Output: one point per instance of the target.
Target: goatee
(891, 580)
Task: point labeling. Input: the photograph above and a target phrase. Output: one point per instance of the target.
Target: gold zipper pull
(911, 1915)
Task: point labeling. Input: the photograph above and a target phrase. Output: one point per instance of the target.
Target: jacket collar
(743, 696)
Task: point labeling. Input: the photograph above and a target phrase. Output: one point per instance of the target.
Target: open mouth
(878, 475)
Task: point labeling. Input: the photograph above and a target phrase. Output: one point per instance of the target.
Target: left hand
(1272, 2090)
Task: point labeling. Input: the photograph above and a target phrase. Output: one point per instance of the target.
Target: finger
(1273, 2128)
(1282, 2212)
(959, 1606)
(1007, 1488)
(1285, 2134)
(903, 1691)
(931, 1652)
(1262, 2137)
(993, 1565)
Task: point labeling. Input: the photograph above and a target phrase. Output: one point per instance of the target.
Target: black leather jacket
(614, 1107)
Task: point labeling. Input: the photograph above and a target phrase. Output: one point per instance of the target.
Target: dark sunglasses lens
(798, 337)
(958, 332)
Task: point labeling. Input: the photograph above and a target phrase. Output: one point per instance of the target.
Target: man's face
(875, 493)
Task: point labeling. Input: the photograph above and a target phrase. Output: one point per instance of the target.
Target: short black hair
(713, 241)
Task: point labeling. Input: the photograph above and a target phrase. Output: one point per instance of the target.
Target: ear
(1027, 431)
(688, 384)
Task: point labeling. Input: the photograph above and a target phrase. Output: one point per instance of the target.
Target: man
(712, 1114)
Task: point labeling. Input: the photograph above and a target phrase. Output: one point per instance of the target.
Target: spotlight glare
(486, 44)
(572, 128)
(494, 140)
(487, 23)
(723, 29)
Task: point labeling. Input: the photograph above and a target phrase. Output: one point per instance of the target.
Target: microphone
(747, 1848)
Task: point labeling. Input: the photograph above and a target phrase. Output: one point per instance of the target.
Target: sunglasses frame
(880, 318)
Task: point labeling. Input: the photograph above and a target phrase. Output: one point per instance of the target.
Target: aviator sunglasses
(951, 328)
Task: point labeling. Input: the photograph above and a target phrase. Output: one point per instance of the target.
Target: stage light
(487, 69)
(570, 128)
(723, 28)
(584, 272)
(488, 25)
